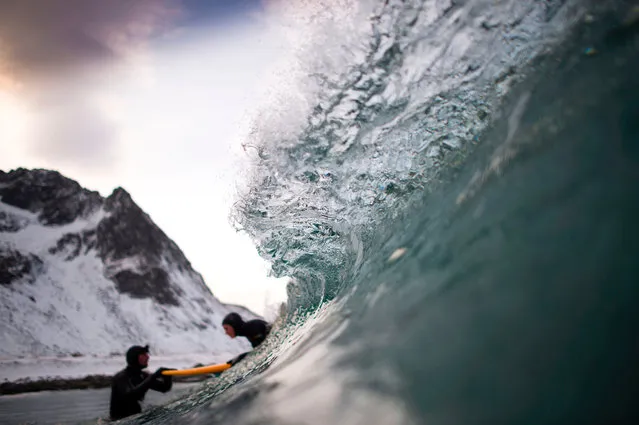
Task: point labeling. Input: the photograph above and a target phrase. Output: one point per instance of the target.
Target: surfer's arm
(126, 388)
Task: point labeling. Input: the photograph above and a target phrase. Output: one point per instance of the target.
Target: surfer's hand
(158, 372)
(236, 359)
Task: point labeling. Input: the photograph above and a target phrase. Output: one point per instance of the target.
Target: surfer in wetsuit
(255, 331)
(129, 386)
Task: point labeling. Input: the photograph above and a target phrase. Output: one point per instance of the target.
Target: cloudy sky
(153, 96)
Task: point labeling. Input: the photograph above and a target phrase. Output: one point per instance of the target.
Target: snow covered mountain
(80, 273)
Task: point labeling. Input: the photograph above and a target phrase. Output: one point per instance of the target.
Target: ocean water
(459, 213)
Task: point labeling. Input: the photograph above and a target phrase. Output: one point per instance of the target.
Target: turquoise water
(459, 216)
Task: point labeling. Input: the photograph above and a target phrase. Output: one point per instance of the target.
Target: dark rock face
(128, 231)
(70, 244)
(155, 282)
(15, 266)
(57, 199)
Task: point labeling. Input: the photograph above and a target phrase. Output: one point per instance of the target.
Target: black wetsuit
(255, 331)
(129, 387)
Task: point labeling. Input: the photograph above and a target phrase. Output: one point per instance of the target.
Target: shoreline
(29, 385)
(21, 375)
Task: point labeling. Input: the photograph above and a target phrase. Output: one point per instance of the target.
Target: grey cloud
(58, 51)
(42, 37)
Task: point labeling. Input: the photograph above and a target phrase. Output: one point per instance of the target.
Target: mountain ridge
(82, 273)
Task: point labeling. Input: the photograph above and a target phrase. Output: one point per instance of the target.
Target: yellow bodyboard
(216, 368)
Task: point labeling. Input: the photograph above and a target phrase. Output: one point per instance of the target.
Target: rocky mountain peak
(119, 199)
(56, 199)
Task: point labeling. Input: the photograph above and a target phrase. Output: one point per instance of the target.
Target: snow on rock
(80, 273)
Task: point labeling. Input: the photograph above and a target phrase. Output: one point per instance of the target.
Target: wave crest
(416, 84)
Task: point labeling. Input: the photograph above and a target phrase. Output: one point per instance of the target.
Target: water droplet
(399, 252)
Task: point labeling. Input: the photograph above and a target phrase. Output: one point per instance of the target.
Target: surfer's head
(232, 324)
(138, 356)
